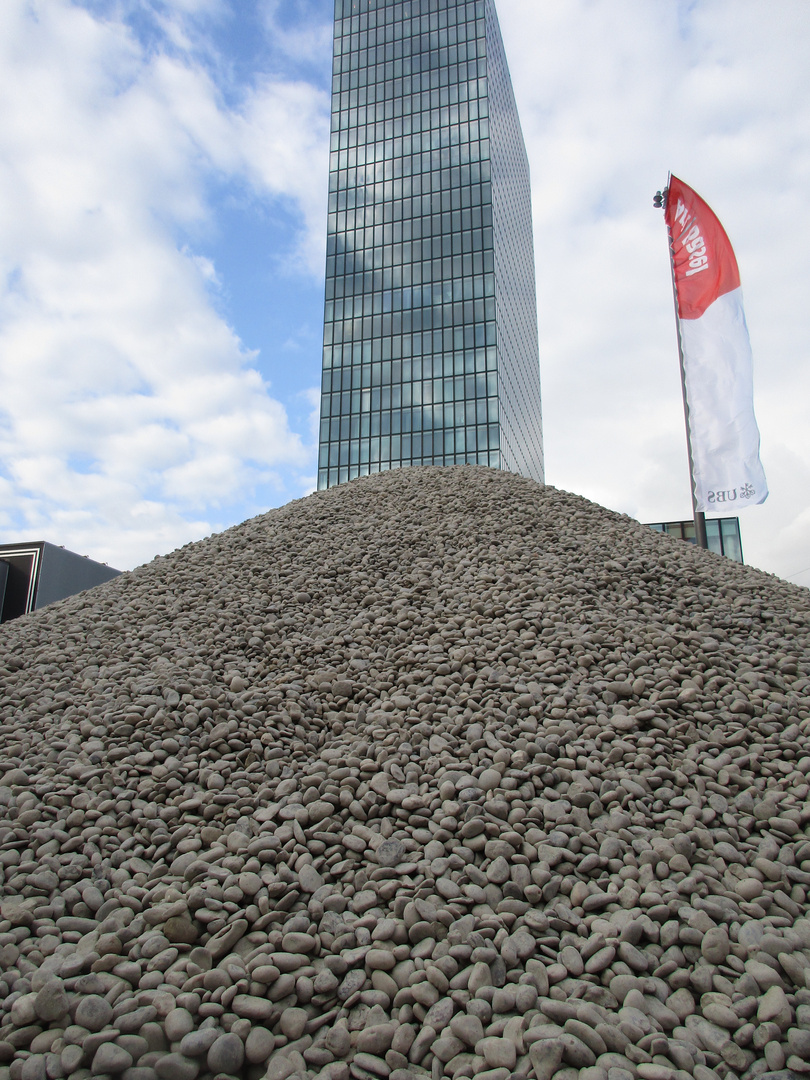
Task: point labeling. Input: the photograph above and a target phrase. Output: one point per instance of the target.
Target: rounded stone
(467, 1028)
(259, 1045)
(71, 1058)
(774, 1006)
(226, 1055)
(93, 1012)
(199, 1042)
(339, 1040)
(489, 779)
(750, 888)
(293, 1023)
(309, 879)
(715, 945)
(176, 1067)
(390, 853)
(51, 1001)
(250, 883)
(139, 1072)
(34, 1067)
(798, 1040)
(180, 930)
(178, 1022)
(447, 1047)
(498, 1053)
(297, 942)
(110, 1058)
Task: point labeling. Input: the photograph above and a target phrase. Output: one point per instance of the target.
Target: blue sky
(163, 172)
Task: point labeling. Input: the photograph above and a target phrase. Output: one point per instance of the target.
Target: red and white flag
(718, 366)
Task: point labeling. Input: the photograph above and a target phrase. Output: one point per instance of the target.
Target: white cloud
(612, 94)
(312, 397)
(131, 414)
(284, 138)
(298, 31)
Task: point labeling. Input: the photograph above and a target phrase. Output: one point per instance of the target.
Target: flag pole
(701, 539)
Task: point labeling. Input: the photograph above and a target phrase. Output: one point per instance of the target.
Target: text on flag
(691, 239)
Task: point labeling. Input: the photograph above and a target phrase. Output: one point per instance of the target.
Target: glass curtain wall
(722, 534)
(430, 332)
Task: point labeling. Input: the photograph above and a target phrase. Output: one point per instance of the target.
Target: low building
(723, 534)
(38, 573)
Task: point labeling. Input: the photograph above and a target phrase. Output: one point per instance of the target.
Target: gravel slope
(439, 773)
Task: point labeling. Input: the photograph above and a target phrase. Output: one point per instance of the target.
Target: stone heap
(437, 774)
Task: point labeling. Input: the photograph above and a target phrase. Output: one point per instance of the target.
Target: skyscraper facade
(430, 332)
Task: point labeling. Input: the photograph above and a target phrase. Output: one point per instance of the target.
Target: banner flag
(717, 361)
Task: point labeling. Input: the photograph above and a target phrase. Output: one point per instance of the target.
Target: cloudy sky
(163, 172)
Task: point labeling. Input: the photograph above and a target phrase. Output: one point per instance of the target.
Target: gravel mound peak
(440, 773)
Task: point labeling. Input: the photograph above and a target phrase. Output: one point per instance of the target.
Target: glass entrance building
(430, 332)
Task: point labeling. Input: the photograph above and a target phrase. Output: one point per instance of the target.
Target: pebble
(226, 1055)
(436, 773)
(259, 1045)
(715, 945)
(197, 1043)
(390, 852)
(93, 1012)
(252, 1007)
(377, 1038)
(308, 878)
(546, 1057)
(467, 1028)
(176, 1067)
(110, 1058)
(292, 1023)
(177, 1024)
(51, 1001)
(775, 1007)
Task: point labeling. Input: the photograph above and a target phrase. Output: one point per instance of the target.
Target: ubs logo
(746, 491)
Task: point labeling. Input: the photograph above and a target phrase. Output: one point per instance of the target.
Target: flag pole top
(701, 539)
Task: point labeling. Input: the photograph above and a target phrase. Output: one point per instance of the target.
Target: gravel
(440, 773)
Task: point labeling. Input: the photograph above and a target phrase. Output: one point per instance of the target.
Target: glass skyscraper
(430, 332)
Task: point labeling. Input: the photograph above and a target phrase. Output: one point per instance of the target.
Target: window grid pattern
(515, 290)
(411, 364)
(722, 534)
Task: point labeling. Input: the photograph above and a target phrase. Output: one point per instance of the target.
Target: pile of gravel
(439, 773)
